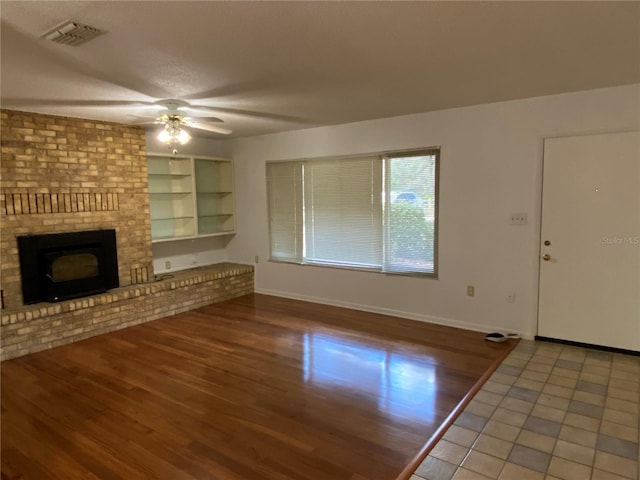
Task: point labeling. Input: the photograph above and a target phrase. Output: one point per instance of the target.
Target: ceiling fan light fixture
(173, 134)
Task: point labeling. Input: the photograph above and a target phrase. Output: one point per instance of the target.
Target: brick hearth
(32, 328)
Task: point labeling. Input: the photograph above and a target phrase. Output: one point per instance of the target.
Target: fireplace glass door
(67, 271)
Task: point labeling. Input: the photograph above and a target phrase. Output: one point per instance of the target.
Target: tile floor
(549, 412)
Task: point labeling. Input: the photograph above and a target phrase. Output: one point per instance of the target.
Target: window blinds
(343, 214)
(284, 184)
(374, 212)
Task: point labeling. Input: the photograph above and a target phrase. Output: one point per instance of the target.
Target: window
(375, 212)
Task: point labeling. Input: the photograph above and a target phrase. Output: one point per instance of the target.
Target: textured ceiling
(275, 66)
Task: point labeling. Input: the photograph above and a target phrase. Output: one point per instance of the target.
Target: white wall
(491, 166)
(183, 254)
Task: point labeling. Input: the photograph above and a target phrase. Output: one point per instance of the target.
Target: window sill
(371, 269)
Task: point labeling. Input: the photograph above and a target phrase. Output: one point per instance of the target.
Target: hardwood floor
(259, 388)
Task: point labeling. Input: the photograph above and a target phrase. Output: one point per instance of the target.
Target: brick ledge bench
(41, 326)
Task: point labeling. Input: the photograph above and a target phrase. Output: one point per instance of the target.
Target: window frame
(426, 151)
(383, 157)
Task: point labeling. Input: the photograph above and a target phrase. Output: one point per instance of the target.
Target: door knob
(546, 257)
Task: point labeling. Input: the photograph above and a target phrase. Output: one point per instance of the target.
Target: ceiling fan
(174, 120)
(104, 85)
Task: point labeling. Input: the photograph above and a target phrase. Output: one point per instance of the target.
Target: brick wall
(64, 174)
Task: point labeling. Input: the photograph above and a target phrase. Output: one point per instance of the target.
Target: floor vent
(72, 33)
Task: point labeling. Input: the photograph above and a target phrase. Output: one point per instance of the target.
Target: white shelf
(169, 194)
(190, 197)
(168, 165)
(169, 175)
(158, 219)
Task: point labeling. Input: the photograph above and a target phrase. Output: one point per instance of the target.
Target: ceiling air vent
(72, 33)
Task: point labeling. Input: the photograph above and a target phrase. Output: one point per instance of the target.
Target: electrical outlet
(518, 219)
(257, 259)
(167, 265)
(511, 297)
(471, 290)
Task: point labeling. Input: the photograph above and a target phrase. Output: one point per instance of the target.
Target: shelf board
(190, 217)
(169, 175)
(214, 193)
(189, 237)
(172, 237)
(219, 232)
(170, 193)
(216, 215)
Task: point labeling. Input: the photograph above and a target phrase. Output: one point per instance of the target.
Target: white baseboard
(447, 322)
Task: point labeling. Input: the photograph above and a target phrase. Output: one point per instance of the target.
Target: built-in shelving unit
(190, 197)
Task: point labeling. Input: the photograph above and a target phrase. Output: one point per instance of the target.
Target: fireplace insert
(60, 266)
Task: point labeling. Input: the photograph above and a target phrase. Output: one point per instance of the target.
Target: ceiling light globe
(164, 136)
(183, 137)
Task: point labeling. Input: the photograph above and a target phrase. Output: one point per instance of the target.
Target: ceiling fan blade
(61, 102)
(248, 113)
(144, 123)
(193, 112)
(155, 117)
(235, 89)
(205, 119)
(209, 128)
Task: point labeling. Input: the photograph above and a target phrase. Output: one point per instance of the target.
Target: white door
(590, 240)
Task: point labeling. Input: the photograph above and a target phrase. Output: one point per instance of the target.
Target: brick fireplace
(63, 174)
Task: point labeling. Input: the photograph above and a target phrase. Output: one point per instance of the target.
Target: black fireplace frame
(36, 251)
